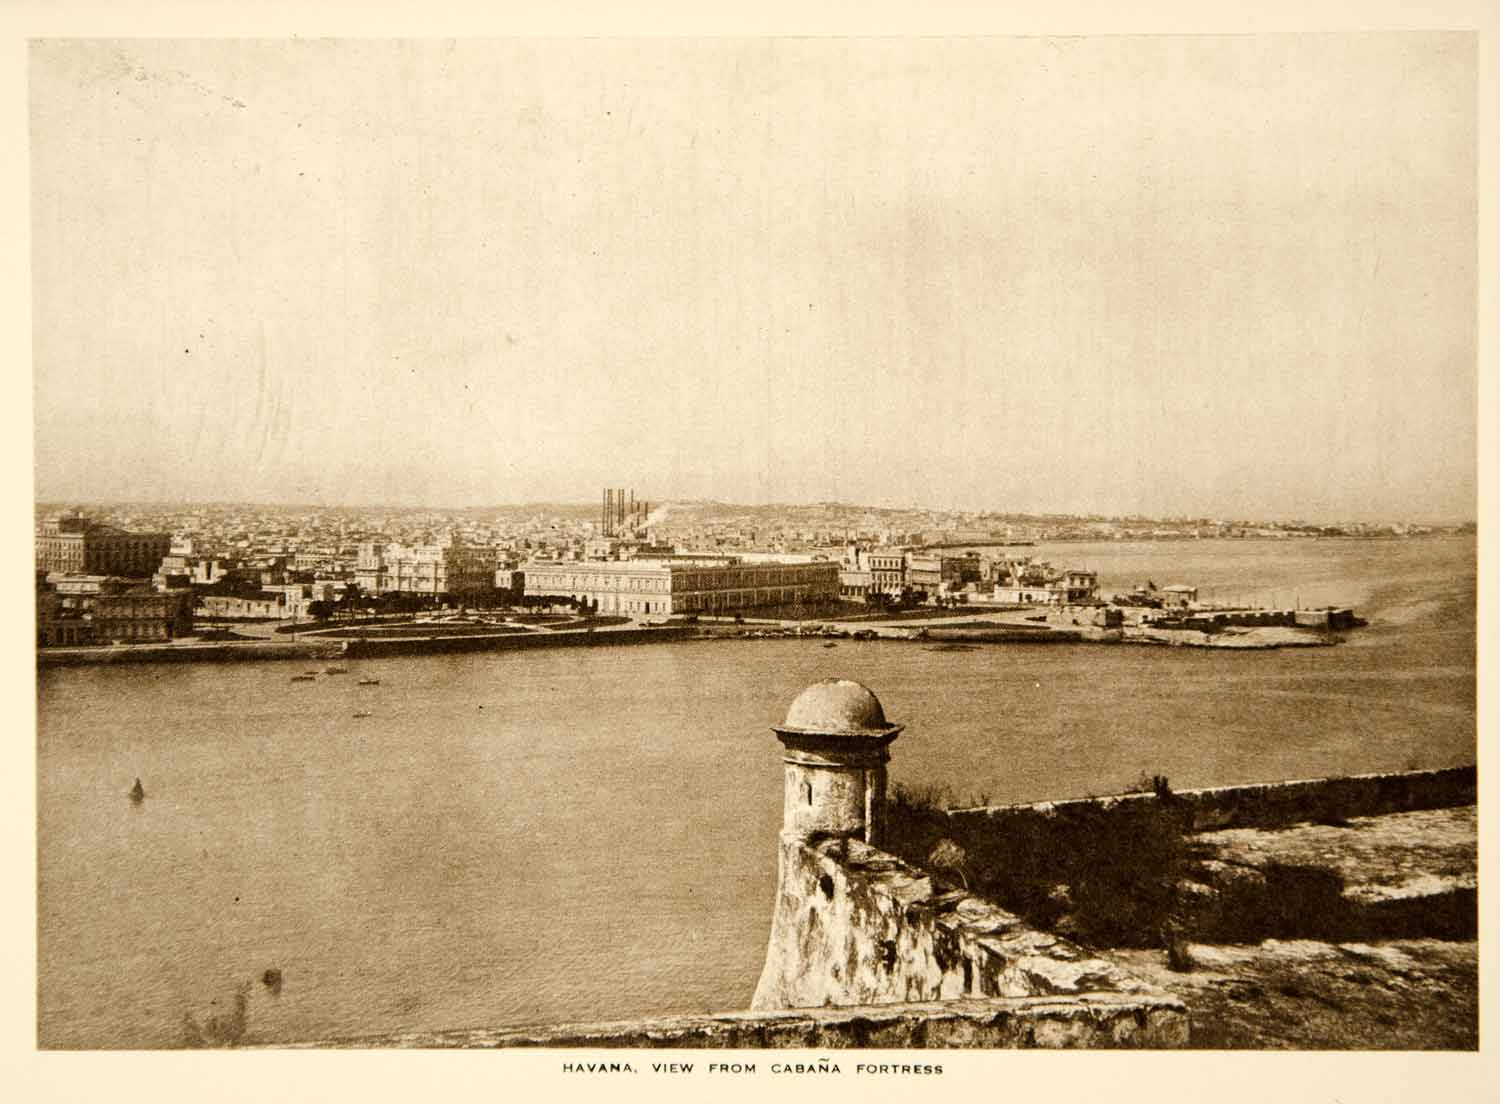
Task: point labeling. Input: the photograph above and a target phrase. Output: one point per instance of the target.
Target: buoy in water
(271, 979)
(137, 792)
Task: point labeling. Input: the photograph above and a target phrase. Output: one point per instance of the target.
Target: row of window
(714, 599)
(659, 584)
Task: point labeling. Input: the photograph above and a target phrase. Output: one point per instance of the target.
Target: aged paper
(797, 433)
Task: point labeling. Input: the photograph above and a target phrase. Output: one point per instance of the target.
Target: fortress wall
(1260, 805)
(856, 926)
(1099, 1021)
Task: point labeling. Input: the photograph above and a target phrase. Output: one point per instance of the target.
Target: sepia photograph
(778, 544)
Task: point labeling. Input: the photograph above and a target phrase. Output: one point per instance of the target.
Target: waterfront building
(1034, 582)
(1178, 596)
(103, 610)
(140, 615)
(856, 580)
(1080, 586)
(450, 567)
(924, 573)
(77, 545)
(684, 585)
(934, 574)
(279, 602)
(265, 605)
(58, 626)
(887, 571)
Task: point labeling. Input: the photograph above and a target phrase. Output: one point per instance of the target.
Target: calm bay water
(589, 834)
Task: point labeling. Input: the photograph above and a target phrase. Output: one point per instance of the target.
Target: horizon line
(72, 502)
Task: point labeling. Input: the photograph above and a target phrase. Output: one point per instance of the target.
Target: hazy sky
(1231, 276)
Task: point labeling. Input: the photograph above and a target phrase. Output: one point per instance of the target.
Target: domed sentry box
(836, 738)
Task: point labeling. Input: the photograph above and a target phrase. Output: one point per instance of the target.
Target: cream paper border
(123, 1078)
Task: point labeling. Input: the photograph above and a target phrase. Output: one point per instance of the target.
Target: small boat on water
(304, 678)
(369, 682)
(830, 644)
(335, 670)
(137, 792)
(361, 714)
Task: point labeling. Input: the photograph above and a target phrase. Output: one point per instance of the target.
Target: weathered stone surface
(1404, 875)
(1379, 858)
(1101, 1020)
(854, 926)
(1420, 994)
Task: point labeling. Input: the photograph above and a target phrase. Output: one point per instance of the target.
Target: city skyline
(1116, 276)
(85, 504)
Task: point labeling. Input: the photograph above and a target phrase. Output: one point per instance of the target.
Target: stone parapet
(1095, 1021)
(856, 926)
(1261, 805)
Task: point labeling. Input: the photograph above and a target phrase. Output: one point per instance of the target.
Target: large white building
(1031, 582)
(451, 567)
(74, 544)
(684, 586)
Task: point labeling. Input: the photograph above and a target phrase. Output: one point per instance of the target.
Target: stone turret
(836, 744)
(836, 741)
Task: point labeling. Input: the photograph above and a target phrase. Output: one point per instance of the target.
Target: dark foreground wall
(1100, 1021)
(1262, 805)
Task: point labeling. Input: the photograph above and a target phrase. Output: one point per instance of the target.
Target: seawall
(227, 652)
(333, 647)
(503, 642)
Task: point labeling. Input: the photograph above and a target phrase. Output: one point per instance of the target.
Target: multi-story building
(133, 616)
(924, 573)
(56, 625)
(887, 570)
(281, 602)
(452, 568)
(76, 545)
(684, 586)
(264, 605)
(1033, 582)
(95, 610)
(1081, 586)
(855, 585)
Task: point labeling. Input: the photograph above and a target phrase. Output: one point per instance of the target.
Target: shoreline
(334, 647)
(326, 648)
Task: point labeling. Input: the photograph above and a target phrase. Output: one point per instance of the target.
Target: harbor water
(589, 834)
